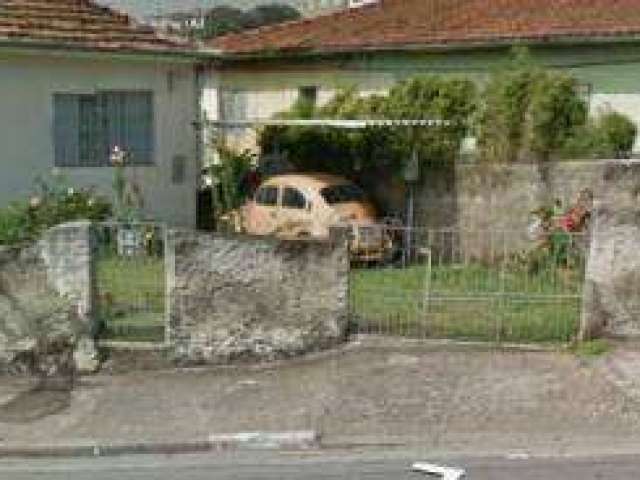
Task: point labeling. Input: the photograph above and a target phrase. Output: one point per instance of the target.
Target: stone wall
(67, 253)
(233, 298)
(611, 304)
(45, 303)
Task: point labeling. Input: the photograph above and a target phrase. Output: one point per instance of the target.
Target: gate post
(67, 250)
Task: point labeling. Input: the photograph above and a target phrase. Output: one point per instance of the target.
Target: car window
(342, 193)
(293, 198)
(267, 196)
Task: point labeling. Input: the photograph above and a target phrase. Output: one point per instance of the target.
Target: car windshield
(343, 193)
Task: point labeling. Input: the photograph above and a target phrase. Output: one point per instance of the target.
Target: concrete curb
(295, 440)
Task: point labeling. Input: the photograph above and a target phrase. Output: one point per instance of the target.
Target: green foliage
(344, 152)
(223, 19)
(609, 135)
(228, 175)
(555, 110)
(527, 112)
(262, 15)
(54, 202)
(617, 132)
(591, 348)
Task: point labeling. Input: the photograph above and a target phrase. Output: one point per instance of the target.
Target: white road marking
(447, 473)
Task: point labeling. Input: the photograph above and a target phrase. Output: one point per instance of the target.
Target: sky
(148, 8)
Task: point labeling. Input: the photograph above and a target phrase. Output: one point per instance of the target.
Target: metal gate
(130, 282)
(493, 286)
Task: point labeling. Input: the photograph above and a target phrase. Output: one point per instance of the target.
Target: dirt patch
(34, 404)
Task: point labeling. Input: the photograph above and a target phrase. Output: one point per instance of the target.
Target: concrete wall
(611, 303)
(27, 86)
(234, 298)
(46, 294)
(490, 205)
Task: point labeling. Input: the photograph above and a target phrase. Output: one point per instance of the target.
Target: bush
(52, 203)
(230, 188)
(610, 135)
(527, 112)
(345, 152)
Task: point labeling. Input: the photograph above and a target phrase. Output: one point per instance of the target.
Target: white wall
(627, 103)
(27, 84)
(271, 92)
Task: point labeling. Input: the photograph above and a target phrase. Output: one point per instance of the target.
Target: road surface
(316, 466)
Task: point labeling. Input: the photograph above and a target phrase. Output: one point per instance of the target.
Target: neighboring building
(374, 46)
(181, 22)
(78, 79)
(313, 8)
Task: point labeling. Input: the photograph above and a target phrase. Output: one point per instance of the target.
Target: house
(77, 80)
(374, 45)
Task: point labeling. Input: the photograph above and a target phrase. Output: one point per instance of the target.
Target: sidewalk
(452, 400)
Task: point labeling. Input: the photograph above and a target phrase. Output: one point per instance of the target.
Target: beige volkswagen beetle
(308, 204)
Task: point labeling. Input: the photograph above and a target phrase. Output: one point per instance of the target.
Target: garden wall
(611, 304)
(45, 301)
(484, 201)
(241, 297)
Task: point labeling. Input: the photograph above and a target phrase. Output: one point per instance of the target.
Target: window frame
(69, 129)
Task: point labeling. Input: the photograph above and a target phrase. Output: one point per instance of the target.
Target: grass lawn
(471, 302)
(131, 297)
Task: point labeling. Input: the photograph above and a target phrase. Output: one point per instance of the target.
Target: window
(86, 128)
(233, 107)
(308, 95)
(267, 196)
(293, 198)
(342, 193)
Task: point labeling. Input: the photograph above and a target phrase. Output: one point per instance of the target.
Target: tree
(269, 14)
(223, 20)
(528, 112)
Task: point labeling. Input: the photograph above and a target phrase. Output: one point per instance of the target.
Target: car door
(263, 216)
(294, 218)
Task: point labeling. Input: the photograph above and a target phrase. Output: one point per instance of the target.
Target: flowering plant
(128, 201)
(53, 202)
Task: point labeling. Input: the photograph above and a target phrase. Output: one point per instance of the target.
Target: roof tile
(392, 24)
(78, 24)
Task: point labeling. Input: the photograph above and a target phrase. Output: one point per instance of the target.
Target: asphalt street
(313, 465)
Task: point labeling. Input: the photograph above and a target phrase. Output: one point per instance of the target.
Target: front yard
(131, 297)
(471, 302)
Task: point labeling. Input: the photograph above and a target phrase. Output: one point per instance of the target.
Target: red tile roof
(77, 24)
(401, 24)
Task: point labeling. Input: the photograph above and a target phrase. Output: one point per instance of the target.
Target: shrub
(527, 112)
(616, 133)
(229, 174)
(344, 152)
(52, 203)
(609, 135)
